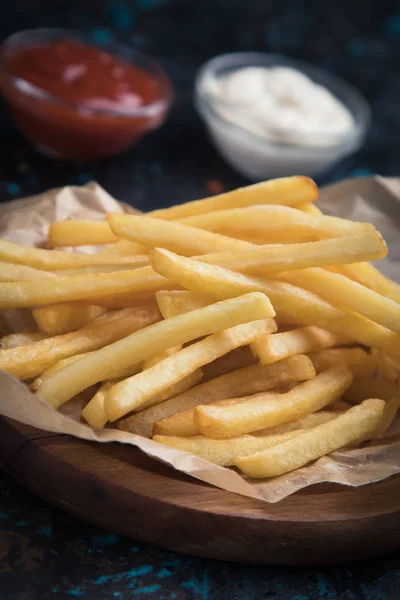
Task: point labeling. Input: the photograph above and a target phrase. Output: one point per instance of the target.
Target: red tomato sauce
(78, 101)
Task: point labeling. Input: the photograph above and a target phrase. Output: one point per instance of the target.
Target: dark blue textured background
(45, 554)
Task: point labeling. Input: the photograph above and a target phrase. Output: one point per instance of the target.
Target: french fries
(259, 293)
(248, 415)
(291, 302)
(13, 340)
(275, 347)
(32, 359)
(54, 260)
(389, 414)
(12, 272)
(282, 219)
(177, 302)
(341, 291)
(307, 422)
(91, 286)
(94, 412)
(131, 394)
(356, 423)
(174, 236)
(225, 452)
(57, 319)
(360, 363)
(80, 233)
(151, 340)
(269, 259)
(289, 191)
(175, 416)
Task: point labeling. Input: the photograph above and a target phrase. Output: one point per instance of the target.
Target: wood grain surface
(124, 491)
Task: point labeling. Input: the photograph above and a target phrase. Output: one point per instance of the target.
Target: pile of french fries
(247, 328)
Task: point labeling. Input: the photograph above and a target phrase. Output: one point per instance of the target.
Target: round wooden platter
(121, 489)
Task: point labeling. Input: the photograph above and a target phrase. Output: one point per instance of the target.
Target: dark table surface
(44, 553)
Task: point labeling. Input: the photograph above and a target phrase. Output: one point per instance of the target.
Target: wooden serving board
(121, 489)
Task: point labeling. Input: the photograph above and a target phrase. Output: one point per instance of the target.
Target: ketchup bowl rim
(130, 55)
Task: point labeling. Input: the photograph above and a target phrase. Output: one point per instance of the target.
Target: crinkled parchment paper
(376, 200)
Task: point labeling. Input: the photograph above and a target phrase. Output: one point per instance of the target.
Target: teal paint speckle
(122, 16)
(21, 523)
(363, 172)
(150, 589)
(173, 595)
(14, 189)
(76, 592)
(3, 515)
(392, 25)
(117, 594)
(204, 586)
(134, 549)
(131, 574)
(101, 36)
(149, 4)
(45, 530)
(322, 585)
(164, 573)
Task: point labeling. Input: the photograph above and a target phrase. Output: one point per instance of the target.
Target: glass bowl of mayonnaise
(272, 116)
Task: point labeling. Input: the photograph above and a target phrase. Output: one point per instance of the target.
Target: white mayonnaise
(280, 104)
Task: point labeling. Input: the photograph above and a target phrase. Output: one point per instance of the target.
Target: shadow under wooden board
(121, 489)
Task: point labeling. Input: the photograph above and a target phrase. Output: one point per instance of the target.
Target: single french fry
(175, 417)
(348, 427)
(74, 232)
(249, 415)
(364, 388)
(12, 272)
(13, 340)
(289, 191)
(176, 302)
(61, 364)
(122, 248)
(360, 363)
(200, 277)
(224, 452)
(272, 259)
(292, 303)
(132, 393)
(37, 382)
(57, 319)
(307, 422)
(368, 275)
(310, 208)
(94, 412)
(135, 262)
(389, 414)
(150, 341)
(265, 219)
(341, 291)
(277, 346)
(53, 260)
(171, 235)
(91, 286)
(176, 389)
(32, 359)
(154, 360)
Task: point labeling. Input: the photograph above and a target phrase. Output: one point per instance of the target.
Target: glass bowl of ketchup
(76, 100)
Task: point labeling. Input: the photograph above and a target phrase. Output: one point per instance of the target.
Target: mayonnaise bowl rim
(354, 101)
